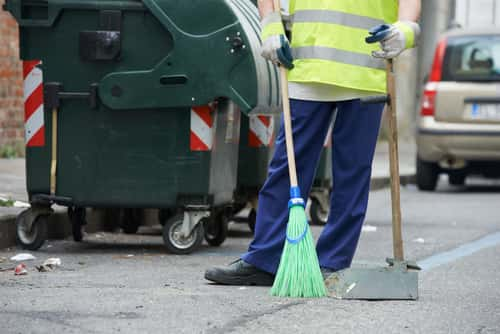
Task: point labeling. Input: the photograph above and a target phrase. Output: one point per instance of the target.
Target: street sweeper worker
(330, 68)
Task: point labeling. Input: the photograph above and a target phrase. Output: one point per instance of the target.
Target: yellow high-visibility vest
(328, 42)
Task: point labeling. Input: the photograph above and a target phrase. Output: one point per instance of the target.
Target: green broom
(299, 274)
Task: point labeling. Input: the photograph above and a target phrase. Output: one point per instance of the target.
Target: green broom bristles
(299, 274)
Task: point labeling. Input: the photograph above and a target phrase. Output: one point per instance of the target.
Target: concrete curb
(59, 226)
(378, 183)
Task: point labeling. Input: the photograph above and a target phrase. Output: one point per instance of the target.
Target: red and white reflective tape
(202, 128)
(33, 104)
(261, 131)
(328, 139)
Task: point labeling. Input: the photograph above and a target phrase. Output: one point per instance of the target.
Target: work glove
(275, 45)
(394, 38)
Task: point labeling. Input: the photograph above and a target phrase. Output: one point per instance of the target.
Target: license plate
(483, 111)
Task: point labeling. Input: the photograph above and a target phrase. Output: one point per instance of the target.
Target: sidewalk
(13, 185)
(380, 169)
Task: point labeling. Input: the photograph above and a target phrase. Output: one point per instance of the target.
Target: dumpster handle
(53, 163)
(53, 95)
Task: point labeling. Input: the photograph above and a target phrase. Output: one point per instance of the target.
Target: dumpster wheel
(77, 217)
(252, 219)
(318, 215)
(131, 220)
(174, 239)
(215, 229)
(31, 229)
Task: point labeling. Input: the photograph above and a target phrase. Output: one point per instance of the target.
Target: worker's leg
(310, 121)
(353, 144)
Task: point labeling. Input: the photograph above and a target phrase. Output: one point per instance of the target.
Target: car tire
(427, 175)
(455, 179)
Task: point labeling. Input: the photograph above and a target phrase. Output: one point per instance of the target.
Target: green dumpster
(257, 137)
(136, 104)
(319, 196)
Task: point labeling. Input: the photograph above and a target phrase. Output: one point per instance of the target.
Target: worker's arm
(275, 45)
(401, 35)
(409, 10)
(266, 7)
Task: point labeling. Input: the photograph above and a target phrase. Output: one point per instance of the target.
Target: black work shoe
(326, 272)
(239, 273)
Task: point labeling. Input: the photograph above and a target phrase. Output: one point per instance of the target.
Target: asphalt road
(127, 284)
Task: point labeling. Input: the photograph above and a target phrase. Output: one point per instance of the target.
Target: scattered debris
(23, 257)
(2, 259)
(19, 204)
(7, 202)
(49, 264)
(130, 255)
(369, 228)
(350, 288)
(20, 270)
(419, 240)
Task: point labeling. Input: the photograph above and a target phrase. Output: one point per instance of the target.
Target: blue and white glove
(394, 38)
(275, 45)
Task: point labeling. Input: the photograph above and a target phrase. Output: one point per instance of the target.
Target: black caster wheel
(131, 220)
(252, 219)
(112, 219)
(31, 237)
(215, 228)
(164, 215)
(77, 217)
(318, 215)
(175, 241)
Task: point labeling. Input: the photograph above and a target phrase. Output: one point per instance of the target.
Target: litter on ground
(23, 257)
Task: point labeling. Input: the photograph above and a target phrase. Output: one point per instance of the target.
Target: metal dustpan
(399, 279)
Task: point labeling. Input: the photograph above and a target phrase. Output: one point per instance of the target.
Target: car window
(472, 58)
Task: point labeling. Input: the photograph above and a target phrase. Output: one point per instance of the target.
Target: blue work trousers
(354, 137)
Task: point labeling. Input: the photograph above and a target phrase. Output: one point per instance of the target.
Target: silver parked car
(459, 122)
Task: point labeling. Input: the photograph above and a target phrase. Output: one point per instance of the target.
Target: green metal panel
(323, 177)
(216, 51)
(252, 161)
(133, 148)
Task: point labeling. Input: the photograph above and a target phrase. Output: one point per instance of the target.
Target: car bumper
(442, 140)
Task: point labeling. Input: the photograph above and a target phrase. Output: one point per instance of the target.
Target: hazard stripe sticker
(261, 131)
(33, 104)
(202, 128)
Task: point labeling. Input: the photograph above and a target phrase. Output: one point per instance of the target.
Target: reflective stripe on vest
(334, 17)
(332, 54)
(328, 42)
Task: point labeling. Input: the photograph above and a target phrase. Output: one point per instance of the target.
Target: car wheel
(456, 179)
(427, 175)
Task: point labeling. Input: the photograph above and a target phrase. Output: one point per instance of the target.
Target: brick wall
(11, 91)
